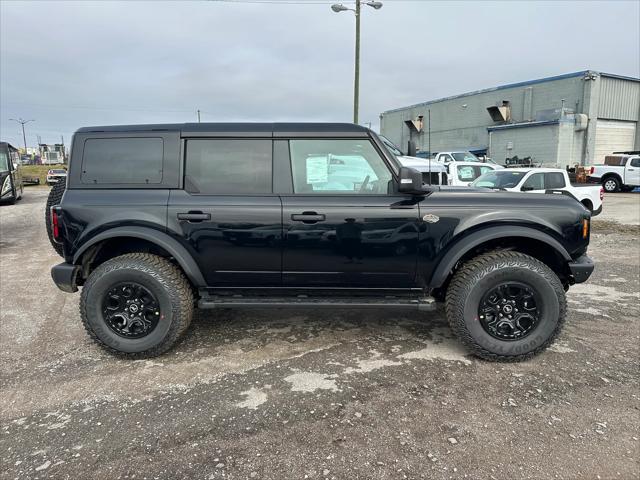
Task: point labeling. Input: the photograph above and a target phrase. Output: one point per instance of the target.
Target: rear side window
(554, 180)
(122, 160)
(228, 167)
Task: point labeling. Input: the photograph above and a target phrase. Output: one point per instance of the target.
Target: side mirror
(411, 149)
(410, 181)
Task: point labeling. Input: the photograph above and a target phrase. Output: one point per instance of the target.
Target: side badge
(430, 218)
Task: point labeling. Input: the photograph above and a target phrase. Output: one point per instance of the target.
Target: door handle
(194, 216)
(308, 217)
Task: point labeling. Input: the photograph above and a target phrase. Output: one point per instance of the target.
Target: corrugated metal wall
(619, 99)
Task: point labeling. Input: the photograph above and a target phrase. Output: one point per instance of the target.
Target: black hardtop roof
(7, 144)
(233, 129)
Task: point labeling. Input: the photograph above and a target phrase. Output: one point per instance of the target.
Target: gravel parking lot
(301, 394)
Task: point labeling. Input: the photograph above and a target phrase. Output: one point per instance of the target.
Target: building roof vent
(500, 113)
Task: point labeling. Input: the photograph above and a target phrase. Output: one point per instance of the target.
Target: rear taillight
(55, 224)
(593, 169)
(601, 193)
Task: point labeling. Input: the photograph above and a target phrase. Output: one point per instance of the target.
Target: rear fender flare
(177, 251)
(464, 245)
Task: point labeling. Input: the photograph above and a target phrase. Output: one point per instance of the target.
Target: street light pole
(338, 7)
(356, 80)
(24, 136)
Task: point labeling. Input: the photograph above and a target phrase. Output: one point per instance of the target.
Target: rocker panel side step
(302, 301)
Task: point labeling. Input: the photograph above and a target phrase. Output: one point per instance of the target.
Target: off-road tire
(165, 280)
(54, 198)
(470, 283)
(611, 184)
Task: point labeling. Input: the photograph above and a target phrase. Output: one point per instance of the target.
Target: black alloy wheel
(509, 311)
(130, 310)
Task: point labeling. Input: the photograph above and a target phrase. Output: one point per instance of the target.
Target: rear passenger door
(226, 214)
(344, 226)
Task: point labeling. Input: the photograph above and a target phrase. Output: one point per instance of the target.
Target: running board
(302, 301)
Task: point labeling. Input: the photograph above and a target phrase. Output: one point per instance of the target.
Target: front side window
(466, 174)
(4, 162)
(554, 180)
(635, 162)
(498, 179)
(338, 167)
(122, 160)
(534, 182)
(484, 169)
(228, 167)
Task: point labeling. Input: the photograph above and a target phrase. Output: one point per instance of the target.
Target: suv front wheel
(136, 305)
(506, 306)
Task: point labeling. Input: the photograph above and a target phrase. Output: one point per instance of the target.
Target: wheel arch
(138, 236)
(609, 175)
(522, 239)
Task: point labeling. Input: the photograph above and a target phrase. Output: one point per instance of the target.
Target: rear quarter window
(122, 161)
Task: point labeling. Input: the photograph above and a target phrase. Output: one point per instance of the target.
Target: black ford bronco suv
(156, 220)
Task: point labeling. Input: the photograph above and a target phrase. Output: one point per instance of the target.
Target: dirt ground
(302, 394)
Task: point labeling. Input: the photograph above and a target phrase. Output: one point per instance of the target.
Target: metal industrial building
(576, 118)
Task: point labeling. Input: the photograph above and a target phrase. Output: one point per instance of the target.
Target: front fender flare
(177, 251)
(463, 245)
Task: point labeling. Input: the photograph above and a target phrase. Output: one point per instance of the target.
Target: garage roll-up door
(613, 136)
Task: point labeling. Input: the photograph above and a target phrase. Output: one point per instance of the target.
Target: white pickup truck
(462, 156)
(542, 180)
(619, 172)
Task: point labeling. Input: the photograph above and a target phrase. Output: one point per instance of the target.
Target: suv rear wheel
(137, 305)
(506, 306)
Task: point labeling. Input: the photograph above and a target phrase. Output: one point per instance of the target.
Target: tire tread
(176, 285)
(476, 268)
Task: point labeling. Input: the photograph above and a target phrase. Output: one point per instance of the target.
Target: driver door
(343, 225)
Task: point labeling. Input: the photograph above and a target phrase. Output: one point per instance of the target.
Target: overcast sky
(73, 64)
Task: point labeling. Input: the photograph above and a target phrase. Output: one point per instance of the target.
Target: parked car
(146, 242)
(433, 172)
(462, 156)
(543, 180)
(619, 172)
(56, 175)
(462, 174)
(11, 186)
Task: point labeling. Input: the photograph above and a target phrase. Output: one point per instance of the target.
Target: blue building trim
(510, 126)
(514, 85)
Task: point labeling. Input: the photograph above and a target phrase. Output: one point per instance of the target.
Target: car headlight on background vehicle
(6, 185)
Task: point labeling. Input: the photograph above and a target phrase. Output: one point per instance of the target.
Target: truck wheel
(505, 306)
(137, 305)
(611, 184)
(55, 197)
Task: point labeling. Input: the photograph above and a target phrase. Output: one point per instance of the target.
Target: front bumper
(581, 268)
(64, 276)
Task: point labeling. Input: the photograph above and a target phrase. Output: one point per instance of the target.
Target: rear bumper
(64, 276)
(594, 180)
(581, 268)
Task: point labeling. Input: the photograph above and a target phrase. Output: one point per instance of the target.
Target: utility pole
(356, 82)
(198, 116)
(24, 136)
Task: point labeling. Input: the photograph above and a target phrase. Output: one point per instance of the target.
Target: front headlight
(6, 185)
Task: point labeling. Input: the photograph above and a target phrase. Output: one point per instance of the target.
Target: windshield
(465, 157)
(4, 162)
(391, 146)
(499, 179)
